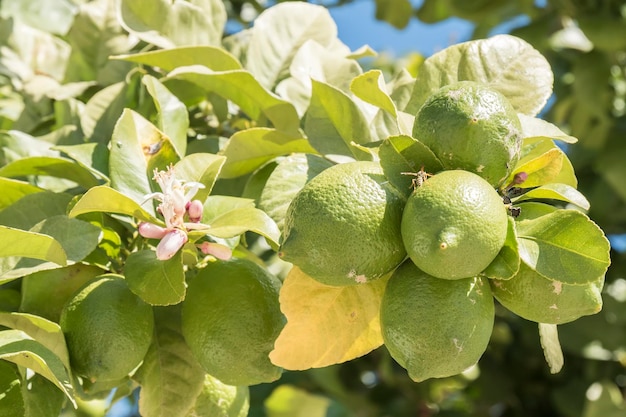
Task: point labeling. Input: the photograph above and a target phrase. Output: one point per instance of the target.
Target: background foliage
(585, 42)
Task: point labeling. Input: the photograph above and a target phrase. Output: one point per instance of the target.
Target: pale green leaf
(107, 200)
(401, 156)
(170, 377)
(564, 245)
(216, 397)
(11, 402)
(507, 262)
(279, 32)
(200, 167)
(326, 325)
(156, 282)
(14, 190)
(286, 180)
(49, 166)
(19, 348)
(244, 90)
(533, 127)
(534, 148)
(15, 242)
(289, 401)
(211, 57)
(93, 156)
(249, 149)
(334, 121)
(505, 63)
(555, 191)
(137, 147)
(549, 337)
(53, 16)
(172, 116)
(167, 23)
(102, 111)
(540, 170)
(78, 238)
(46, 332)
(370, 87)
(245, 219)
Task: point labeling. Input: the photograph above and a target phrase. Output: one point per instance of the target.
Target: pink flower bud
(194, 209)
(221, 252)
(151, 231)
(170, 244)
(520, 177)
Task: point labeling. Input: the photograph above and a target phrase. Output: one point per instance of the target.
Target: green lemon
(454, 225)
(536, 298)
(472, 127)
(343, 227)
(435, 328)
(220, 400)
(108, 329)
(230, 320)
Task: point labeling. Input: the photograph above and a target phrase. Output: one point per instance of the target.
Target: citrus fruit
(472, 127)
(220, 400)
(454, 225)
(108, 329)
(343, 227)
(433, 327)
(230, 320)
(536, 298)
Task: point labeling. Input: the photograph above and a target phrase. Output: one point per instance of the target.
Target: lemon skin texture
(536, 298)
(432, 327)
(108, 329)
(472, 127)
(454, 225)
(231, 319)
(343, 227)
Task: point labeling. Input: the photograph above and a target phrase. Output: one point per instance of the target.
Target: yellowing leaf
(543, 169)
(326, 325)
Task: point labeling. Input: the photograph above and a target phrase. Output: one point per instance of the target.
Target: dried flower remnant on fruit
(176, 204)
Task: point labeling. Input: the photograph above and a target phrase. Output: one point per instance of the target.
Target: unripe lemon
(230, 320)
(108, 329)
(536, 298)
(435, 328)
(343, 227)
(472, 127)
(454, 225)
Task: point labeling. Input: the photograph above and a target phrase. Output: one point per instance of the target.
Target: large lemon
(343, 227)
(454, 225)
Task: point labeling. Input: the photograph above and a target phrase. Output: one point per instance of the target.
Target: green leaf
(46, 332)
(505, 63)
(156, 282)
(279, 32)
(55, 167)
(19, 348)
(541, 170)
(15, 242)
(93, 156)
(289, 401)
(286, 180)
(200, 167)
(11, 401)
(41, 397)
(554, 191)
(78, 238)
(107, 200)
(102, 111)
(249, 149)
(565, 246)
(538, 150)
(533, 127)
(507, 262)
(170, 377)
(137, 147)
(402, 153)
(334, 121)
(167, 23)
(53, 16)
(370, 87)
(244, 90)
(604, 399)
(211, 57)
(395, 12)
(172, 116)
(549, 337)
(14, 190)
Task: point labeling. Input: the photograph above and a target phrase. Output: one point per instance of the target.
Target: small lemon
(435, 328)
(343, 227)
(454, 225)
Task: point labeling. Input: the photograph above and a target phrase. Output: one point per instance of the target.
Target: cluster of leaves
(252, 117)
